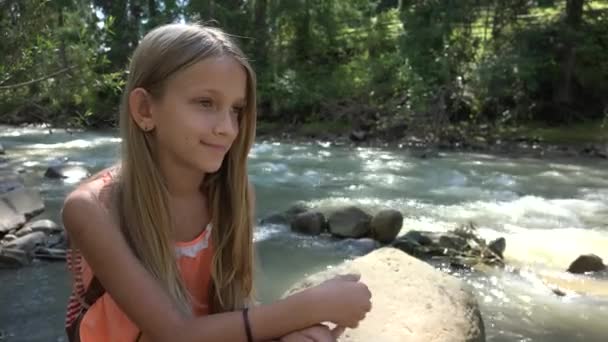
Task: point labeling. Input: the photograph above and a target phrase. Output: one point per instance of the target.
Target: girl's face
(197, 118)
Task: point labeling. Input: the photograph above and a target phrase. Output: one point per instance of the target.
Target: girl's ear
(140, 103)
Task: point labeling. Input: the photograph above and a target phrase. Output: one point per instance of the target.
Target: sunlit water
(549, 211)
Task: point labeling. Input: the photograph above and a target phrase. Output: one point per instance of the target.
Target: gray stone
(386, 225)
(73, 171)
(26, 202)
(309, 223)
(349, 222)
(498, 246)
(452, 241)
(8, 237)
(23, 231)
(46, 226)
(286, 217)
(50, 253)
(412, 301)
(29, 243)
(14, 258)
(587, 263)
(419, 237)
(358, 247)
(58, 241)
(9, 181)
(9, 218)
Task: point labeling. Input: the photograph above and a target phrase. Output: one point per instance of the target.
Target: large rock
(386, 225)
(72, 171)
(28, 243)
(412, 301)
(498, 246)
(9, 181)
(350, 222)
(46, 226)
(26, 202)
(17, 206)
(310, 223)
(457, 248)
(14, 258)
(50, 253)
(286, 217)
(587, 263)
(9, 218)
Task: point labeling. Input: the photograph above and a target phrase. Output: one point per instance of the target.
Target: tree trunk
(261, 34)
(563, 91)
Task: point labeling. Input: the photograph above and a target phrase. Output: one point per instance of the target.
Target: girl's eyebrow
(217, 92)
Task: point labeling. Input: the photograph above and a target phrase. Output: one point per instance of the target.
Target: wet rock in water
(386, 225)
(587, 263)
(9, 181)
(45, 226)
(72, 171)
(452, 241)
(28, 243)
(309, 223)
(435, 306)
(23, 231)
(14, 258)
(459, 248)
(2, 149)
(498, 246)
(58, 241)
(26, 202)
(17, 206)
(50, 253)
(358, 247)
(286, 217)
(8, 238)
(350, 222)
(419, 237)
(9, 218)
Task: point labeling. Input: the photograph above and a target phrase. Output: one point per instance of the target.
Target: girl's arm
(145, 302)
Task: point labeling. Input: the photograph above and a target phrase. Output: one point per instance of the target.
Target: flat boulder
(26, 202)
(412, 301)
(28, 243)
(14, 258)
(9, 181)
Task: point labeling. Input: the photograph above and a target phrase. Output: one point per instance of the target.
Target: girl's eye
(207, 103)
(238, 110)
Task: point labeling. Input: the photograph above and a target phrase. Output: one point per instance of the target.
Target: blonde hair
(143, 199)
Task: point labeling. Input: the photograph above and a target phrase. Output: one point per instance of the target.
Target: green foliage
(384, 60)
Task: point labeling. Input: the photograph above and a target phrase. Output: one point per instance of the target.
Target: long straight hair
(143, 198)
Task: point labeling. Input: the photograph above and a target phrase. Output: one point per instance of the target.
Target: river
(549, 211)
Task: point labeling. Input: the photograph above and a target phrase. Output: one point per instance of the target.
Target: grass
(588, 132)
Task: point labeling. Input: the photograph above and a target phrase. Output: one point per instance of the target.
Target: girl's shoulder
(96, 193)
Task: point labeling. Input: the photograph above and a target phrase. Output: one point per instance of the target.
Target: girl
(162, 245)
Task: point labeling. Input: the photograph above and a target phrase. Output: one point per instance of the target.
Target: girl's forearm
(268, 322)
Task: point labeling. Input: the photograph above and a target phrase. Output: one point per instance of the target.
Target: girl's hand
(344, 299)
(316, 333)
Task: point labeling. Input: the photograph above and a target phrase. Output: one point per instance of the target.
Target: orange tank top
(105, 321)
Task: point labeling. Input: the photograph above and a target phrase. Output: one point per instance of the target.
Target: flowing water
(549, 211)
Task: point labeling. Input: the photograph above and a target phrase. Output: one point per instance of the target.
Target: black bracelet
(247, 326)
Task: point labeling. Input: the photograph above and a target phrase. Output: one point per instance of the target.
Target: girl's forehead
(222, 73)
